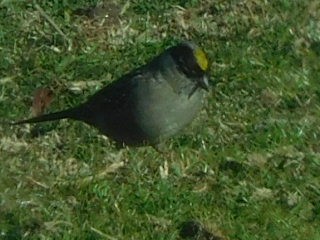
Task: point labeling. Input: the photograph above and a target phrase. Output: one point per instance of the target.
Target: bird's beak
(204, 82)
(201, 83)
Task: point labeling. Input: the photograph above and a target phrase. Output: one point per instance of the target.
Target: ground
(246, 168)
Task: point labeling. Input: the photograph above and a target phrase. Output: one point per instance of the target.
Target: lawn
(247, 168)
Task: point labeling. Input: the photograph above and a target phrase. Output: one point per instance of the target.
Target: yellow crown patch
(201, 58)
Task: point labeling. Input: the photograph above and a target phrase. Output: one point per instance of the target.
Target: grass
(247, 168)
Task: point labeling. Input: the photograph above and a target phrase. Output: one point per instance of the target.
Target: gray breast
(162, 111)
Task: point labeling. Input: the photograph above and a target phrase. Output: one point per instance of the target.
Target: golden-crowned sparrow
(150, 103)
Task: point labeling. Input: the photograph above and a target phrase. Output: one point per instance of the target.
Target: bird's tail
(72, 113)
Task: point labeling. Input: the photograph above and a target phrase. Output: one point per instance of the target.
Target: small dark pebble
(194, 230)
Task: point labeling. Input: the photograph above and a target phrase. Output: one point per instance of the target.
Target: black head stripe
(185, 60)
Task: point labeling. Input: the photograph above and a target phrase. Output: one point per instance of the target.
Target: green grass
(247, 168)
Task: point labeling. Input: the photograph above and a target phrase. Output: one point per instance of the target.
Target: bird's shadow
(38, 131)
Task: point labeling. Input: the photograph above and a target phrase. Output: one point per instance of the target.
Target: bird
(149, 104)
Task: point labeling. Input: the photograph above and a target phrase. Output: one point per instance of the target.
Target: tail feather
(68, 113)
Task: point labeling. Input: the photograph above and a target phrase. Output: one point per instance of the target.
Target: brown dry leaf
(263, 193)
(257, 159)
(110, 11)
(269, 98)
(42, 98)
